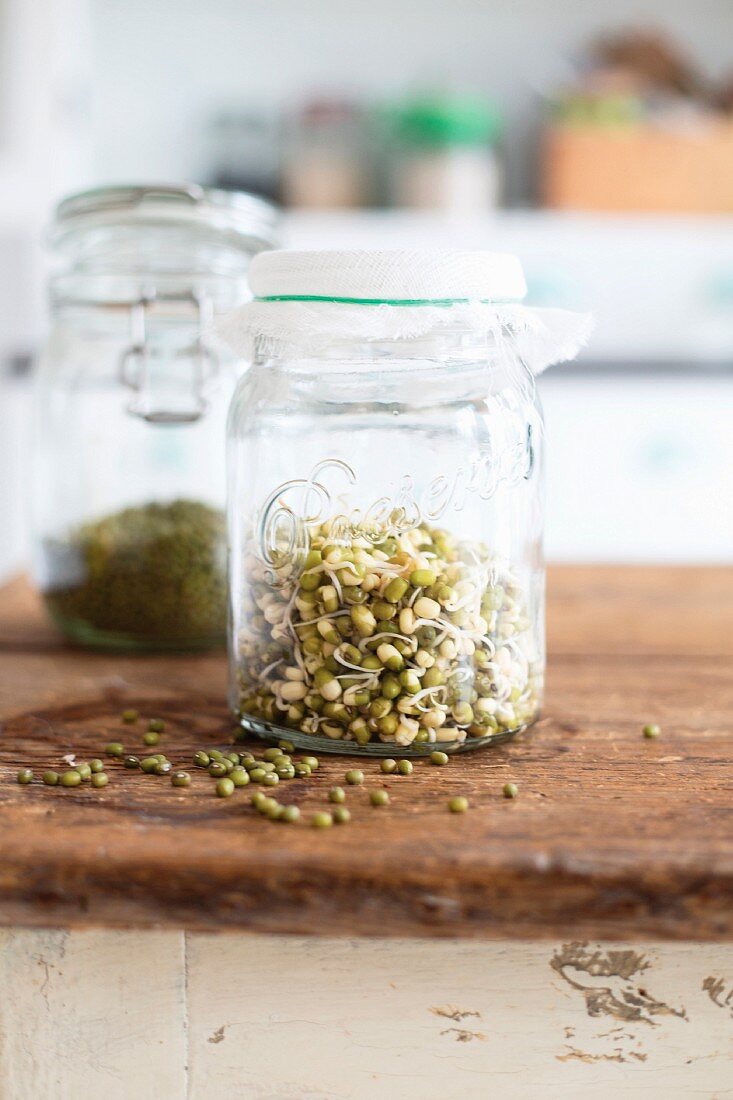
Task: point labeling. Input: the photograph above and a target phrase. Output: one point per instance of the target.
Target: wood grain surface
(612, 836)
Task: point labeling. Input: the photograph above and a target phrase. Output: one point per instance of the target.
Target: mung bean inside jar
(385, 500)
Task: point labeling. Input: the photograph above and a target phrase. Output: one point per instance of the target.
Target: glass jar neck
(444, 345)
(449, 349)
(447, 366)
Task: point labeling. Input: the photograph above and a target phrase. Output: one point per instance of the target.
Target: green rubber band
(441, 302)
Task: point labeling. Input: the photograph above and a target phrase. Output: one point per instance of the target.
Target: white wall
(160, 68)
(639, 469)
(44, 146)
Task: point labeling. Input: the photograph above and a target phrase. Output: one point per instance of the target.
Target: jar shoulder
(403, 396)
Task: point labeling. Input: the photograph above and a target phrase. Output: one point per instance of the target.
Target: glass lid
(244, 219)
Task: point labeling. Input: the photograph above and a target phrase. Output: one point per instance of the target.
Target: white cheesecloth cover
(303, 301)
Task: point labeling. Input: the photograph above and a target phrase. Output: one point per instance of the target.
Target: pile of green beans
(154, 574)
(417, 639)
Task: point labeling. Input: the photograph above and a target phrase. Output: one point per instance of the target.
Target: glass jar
(131, 402)
(385, 504)
(324, 166)
(445, 155)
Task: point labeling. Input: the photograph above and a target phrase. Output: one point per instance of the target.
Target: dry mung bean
(458, 804)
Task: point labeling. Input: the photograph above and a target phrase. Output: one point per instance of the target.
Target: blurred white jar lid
(304, 301)
(408, 276)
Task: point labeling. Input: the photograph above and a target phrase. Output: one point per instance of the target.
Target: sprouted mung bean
(415, 640)
(154, 575)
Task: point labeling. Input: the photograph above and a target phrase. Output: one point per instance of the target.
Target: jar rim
(249, 220)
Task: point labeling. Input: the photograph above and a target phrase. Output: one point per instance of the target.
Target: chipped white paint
(92, 1015)
(137, 1015)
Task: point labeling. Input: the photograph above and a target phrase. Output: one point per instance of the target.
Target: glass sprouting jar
(130, 413)
(385, 501)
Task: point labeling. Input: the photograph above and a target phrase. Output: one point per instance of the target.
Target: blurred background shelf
(661, 288)
(247, 92)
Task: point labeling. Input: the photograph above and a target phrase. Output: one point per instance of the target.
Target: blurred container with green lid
(444, 156)
(437, 121)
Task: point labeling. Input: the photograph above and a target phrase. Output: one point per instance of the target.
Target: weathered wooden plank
(611, 835)
(92, 1014)
(300, 1018)
(123, 1015)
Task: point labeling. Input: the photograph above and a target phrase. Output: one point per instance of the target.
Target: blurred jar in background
(244, 151)
(444, 155)
(131, 405)
(324, 164)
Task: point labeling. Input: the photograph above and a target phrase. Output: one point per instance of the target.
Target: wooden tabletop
(612, 835)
